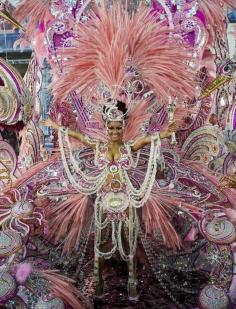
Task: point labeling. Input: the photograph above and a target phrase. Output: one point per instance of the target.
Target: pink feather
(157, 213)
(136, 118)
(100, 54)
(159, 60)
(104, 46)
(67, 219)
(23, 272)
(33, 12)
(62, 287)
(215, 12)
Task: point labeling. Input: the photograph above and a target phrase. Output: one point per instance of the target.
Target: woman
(116, 197)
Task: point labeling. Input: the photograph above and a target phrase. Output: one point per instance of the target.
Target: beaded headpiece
(112, 113)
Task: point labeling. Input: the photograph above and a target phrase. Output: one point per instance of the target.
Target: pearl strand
(96, 186)
(107, 255)
(75, 163)
(143, 193)
(98, 210)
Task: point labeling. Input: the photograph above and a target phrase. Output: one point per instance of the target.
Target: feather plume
(159, 60)
(99, 55)
(157, 213)
(62, 287)
(67, 219)
(215, 13)
(23, 272)
(137, 116)
(106, 43)
(34, 13)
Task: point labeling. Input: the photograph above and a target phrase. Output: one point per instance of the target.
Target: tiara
(112, 113)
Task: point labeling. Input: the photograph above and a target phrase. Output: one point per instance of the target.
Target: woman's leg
(104, 246)
(132, 262)
(98, 269)
(132, 280)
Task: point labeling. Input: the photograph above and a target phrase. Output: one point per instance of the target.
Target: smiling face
(115, 131)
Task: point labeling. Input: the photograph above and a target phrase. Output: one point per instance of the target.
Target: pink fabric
(192, 234)
(231, 214)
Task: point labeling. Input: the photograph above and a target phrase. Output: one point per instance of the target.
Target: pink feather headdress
(111, 42)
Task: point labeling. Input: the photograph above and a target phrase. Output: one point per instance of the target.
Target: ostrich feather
(107, 44)
(62, 287)
(157, 213)
(137, 117)
(160, 61)
(34, 13)
(67, 220)
(99, 55)
(215, 12)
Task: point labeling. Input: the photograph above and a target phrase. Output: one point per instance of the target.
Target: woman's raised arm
(84, 139)
(143, 141)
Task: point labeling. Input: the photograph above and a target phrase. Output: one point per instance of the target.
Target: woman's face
(115, 131)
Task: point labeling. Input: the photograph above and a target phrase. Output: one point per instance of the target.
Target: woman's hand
(50, 123)
(171, 129)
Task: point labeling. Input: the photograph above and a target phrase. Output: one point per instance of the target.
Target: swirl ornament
(217, 229)
(17, 214)
(203, 145)
(15, 102)
(10, 242)
(22, 209)
(7, 286)
(213, 297)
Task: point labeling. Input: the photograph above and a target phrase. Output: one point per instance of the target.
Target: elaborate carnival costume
(116, 197)
(118, 60)
(117, 55)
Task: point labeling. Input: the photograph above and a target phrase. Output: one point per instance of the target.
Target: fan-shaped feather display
(108, 44)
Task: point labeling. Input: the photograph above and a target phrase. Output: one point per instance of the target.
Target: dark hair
(121, 107)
